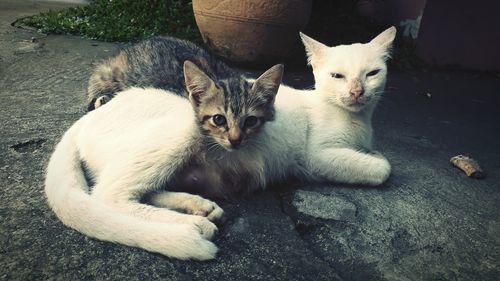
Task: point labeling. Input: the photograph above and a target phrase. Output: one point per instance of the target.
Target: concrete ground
(428, 222)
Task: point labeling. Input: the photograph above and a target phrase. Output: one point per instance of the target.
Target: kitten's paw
(187, 203)
(206, 228)
(200, 206)
(100, 101)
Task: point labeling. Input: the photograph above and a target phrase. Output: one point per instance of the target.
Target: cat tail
(67, 193)
(107, 79)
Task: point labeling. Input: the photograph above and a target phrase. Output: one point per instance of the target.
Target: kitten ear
(197, 82)
(269, 82)
(385, 38)
(314, 49)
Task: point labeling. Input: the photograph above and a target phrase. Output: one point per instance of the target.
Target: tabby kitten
(158, 63)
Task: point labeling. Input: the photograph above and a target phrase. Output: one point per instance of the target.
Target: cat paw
(380, 171)
(200, 206)
(185, 242)
(100, 101)
(206, 228)
(187, 203)
(203, 249)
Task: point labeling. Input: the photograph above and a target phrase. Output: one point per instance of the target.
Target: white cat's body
(337, 142)
(126, 156)
(149, 135)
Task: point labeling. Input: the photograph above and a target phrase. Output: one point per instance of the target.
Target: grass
(120, 20)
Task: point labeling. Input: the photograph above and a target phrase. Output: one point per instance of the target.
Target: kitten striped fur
(160, 62)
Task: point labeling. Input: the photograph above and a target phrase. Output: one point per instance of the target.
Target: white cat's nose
(357, 93)
(356, 89)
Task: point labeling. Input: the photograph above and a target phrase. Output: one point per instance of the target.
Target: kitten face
(232, 111)
(351, 76)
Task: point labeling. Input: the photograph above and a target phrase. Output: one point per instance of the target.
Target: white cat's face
(350, 76)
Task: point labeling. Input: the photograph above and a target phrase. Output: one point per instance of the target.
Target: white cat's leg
(188, 203)
(350, 166)
(123, 199)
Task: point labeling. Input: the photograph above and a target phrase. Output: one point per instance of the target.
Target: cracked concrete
(428, 222)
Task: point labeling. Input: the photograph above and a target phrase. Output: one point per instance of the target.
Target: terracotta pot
(252, 31)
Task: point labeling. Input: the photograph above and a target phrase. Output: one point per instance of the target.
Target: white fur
(340, 135)
(135, 143)
(128, 156)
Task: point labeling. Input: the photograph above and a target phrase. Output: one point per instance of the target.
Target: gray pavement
(428, 222)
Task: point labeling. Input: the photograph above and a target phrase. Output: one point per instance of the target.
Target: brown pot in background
(252, 31)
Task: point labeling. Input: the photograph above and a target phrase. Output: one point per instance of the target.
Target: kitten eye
(373, 72)
(219, 120)
(337, 75)
(251, 121)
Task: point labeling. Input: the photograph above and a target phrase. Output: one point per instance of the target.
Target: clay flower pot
(252, 31)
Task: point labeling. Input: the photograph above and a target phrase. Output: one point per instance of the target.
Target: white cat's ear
(198, 83)
(269, 82)
(385, 38)
(314, 49)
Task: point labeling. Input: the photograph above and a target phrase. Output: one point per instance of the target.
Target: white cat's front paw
(206, 228)
(380, 170)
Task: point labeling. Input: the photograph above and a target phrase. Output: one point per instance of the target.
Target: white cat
(324, 134)
(349, 82)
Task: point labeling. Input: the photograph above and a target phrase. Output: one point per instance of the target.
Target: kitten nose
(234, 136)
(356, 93)
(235, 142)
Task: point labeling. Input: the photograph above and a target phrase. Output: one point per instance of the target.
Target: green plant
(120, 20)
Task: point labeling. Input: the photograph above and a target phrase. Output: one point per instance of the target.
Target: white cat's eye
(251, 121)
(373, 73)
(337, 75)
(219, 120)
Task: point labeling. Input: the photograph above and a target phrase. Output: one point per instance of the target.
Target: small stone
(324, 206)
